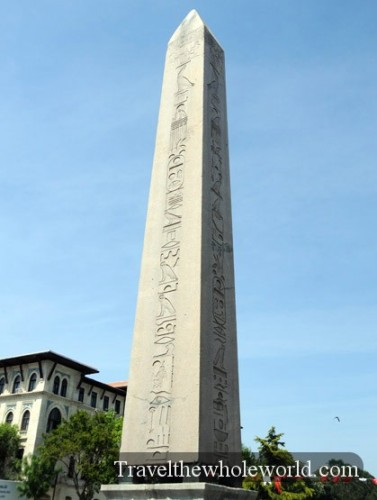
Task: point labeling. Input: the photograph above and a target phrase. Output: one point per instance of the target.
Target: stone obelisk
(183, 396)
(183, 386)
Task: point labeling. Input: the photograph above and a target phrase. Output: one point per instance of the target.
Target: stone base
(179, 491)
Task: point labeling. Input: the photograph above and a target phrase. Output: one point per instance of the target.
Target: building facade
(38, 391)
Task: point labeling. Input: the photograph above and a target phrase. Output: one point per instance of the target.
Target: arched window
(71, 466)
(93, 399)
(56, 385)
(117, 406)
(2, 384)
(32, 382)
(54, 420)
(16, 384)
(81, 394)
(63, 390)
(9, 418)
(25, 420)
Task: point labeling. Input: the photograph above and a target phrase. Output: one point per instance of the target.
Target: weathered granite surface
(183, 396)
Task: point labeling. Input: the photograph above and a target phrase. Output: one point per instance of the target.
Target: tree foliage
(271, 453)
(336, 487)
(248, 456)
(38, 476)
(9, 445)
(87, 446)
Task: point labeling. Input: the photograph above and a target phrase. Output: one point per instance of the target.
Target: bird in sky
(338, 419)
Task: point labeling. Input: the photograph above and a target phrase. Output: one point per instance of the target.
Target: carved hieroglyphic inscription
(160, 403)
(219, 319)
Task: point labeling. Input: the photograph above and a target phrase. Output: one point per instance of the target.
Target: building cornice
(38, 357)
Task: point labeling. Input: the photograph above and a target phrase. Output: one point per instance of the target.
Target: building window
(32, 382)
(63, 391)
(2, 384)
(81, 394)
(25, 420)
(16, 384)
(105, 403)
(71, 466)
(56, 386)
(54, 420)
(93, 399)
(117, 406)
(9, 418)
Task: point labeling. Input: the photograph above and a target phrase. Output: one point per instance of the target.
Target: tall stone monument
(183, 396)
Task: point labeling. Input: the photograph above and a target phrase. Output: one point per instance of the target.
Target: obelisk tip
(191, 22)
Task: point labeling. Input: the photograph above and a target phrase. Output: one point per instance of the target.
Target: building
(38, 391)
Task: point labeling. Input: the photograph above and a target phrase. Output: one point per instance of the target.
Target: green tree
(38, 476)
(9, 446)
(272, 451)
(339, 487)
(248, 456)
(87, 446)
(271, 455)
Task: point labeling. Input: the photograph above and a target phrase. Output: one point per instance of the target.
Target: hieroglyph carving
(219, 320)
(160, 403)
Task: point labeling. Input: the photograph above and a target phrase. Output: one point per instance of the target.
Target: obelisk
(183, 395)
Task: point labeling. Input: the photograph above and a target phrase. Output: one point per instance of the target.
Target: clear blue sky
(80, 86)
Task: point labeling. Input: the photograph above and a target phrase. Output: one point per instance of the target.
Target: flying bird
(338, 419)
